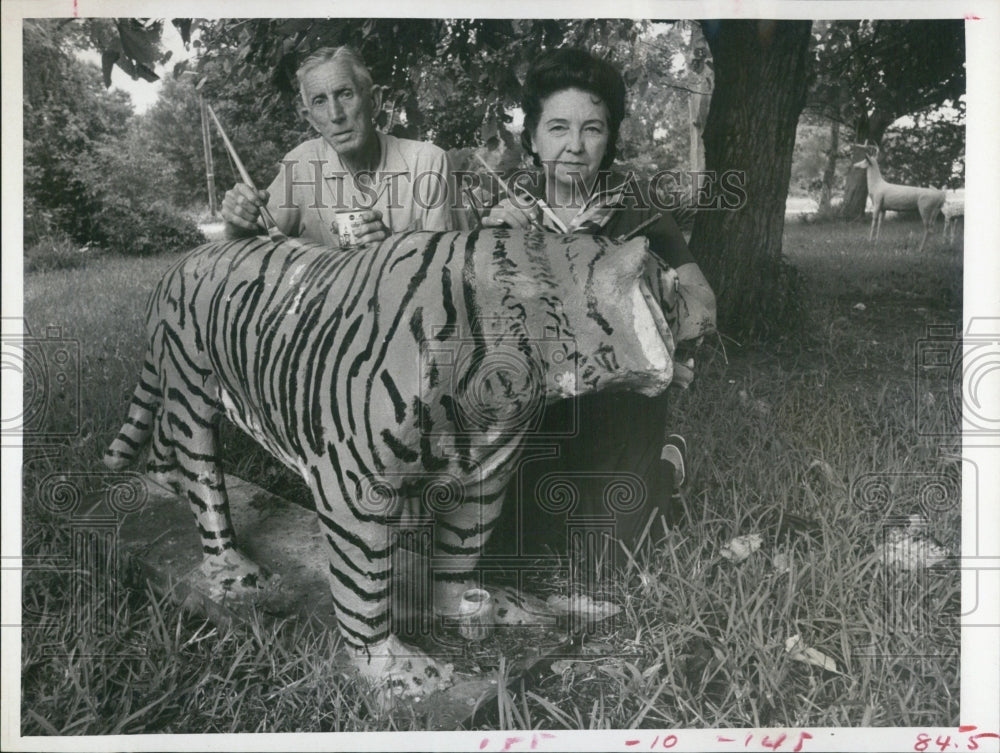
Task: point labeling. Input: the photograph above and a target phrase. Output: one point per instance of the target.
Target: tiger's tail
(138, 427)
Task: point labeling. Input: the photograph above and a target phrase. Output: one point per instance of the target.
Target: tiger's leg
(459, 538)
(360, 555)
(187, 431)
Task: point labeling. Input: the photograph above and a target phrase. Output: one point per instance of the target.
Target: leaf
(183, 26)
(138, 43)
(911, 548)
(798, 651)
(145, 72)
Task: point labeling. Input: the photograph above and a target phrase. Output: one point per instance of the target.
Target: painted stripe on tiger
(379, 372)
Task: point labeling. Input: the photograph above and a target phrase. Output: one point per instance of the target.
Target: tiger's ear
(631, 260)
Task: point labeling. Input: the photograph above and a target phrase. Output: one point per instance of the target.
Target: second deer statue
(927, 201)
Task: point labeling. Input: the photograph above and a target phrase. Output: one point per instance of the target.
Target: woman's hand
(509, 213)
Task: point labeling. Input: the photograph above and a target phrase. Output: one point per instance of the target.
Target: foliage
(457, 91)
(90, 173)
(871, 73)
(812, 141)
(126, 185)
(174, 126)
(930, 151)
(67, 113)
(882, 70)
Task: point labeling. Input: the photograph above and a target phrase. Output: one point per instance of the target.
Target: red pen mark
(972, 17)
(510, 742)
(966, 727)
(484, 743)
(632, 742)
(725, 739)
(803, 736)
(767, 742)
(76, 12)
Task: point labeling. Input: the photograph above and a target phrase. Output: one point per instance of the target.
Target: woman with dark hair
(600, 462)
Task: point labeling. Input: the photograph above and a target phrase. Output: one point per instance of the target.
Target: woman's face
(572, 137)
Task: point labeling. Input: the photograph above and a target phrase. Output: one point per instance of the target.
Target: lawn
(826, 444)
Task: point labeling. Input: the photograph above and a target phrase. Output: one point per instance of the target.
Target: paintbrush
(273, 231)
(639, 227)
(515, 190)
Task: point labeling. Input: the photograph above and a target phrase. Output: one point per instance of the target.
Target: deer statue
(953, 211)
(927, 201)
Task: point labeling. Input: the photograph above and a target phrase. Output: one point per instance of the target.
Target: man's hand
(509, 214)
(370, 228)
(241, 208)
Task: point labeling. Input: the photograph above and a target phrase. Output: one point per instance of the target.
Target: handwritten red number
(973, 745)
(802, 738)
(767, 743)
(943, 744)
(923, 740)
(669, 741)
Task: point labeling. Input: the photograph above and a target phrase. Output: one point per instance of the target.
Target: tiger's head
(562, 316)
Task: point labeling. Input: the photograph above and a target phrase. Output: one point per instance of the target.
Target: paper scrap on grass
(580, 604)
(910, 549)
(798, 651)
(741, 547)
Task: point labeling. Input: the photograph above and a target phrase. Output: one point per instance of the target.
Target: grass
(785, 440)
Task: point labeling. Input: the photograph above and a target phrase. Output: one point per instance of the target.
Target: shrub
(135, 230)
(126, 184)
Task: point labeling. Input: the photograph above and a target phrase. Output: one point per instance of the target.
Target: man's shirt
(411, 187)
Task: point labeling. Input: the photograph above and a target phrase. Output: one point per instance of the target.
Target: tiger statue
(375, 373)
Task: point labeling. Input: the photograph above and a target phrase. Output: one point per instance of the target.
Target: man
(392, 184)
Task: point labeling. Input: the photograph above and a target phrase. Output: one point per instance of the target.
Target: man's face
(337, 107)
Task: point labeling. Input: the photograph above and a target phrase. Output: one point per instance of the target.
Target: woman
(609, 452)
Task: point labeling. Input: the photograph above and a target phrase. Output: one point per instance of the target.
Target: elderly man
(392, 184)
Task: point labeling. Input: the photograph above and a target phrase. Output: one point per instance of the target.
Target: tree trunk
(830, 171)
(697, 111)
(760, 88)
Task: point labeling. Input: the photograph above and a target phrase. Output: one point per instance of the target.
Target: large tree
(871, 73)
(761, 70)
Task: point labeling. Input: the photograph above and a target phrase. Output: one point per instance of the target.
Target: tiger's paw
(401, 671)
(233, 574)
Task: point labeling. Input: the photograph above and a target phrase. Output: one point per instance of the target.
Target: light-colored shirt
(412, 187)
